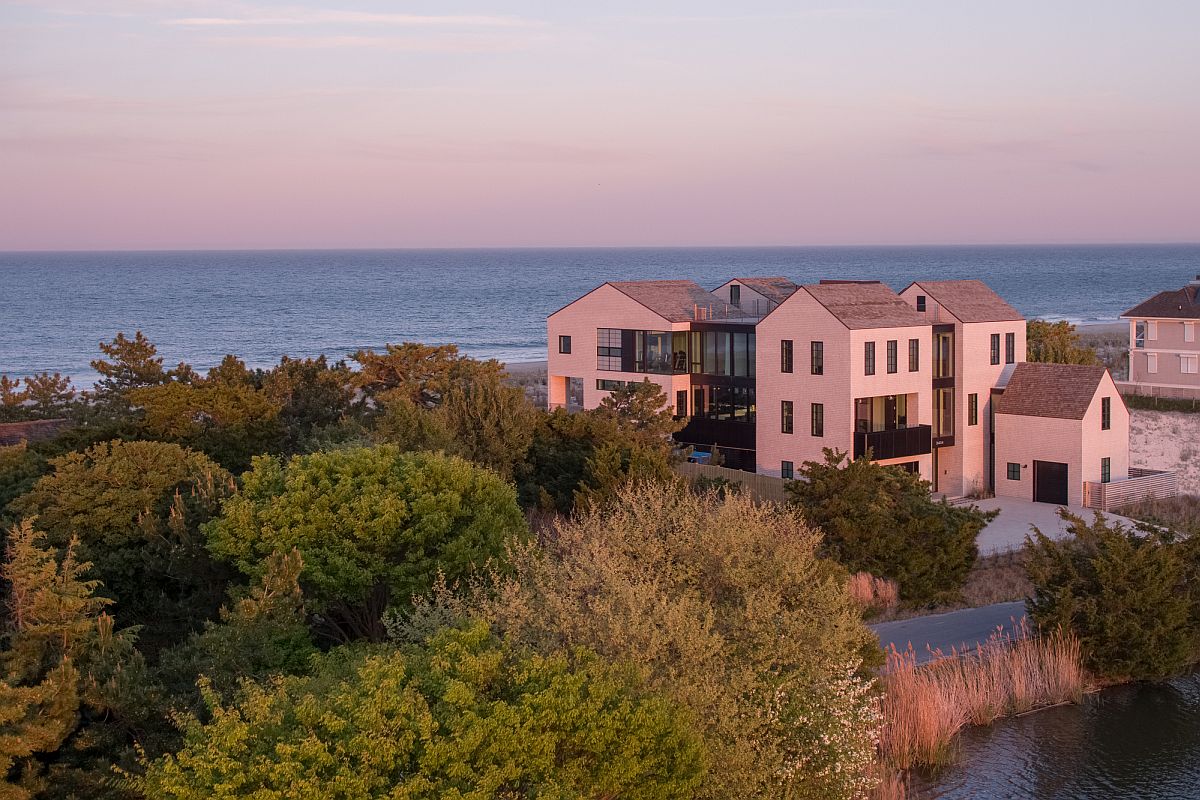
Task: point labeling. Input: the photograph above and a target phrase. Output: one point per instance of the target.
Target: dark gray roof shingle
(970, 300)
(1061, 391)
(859, 305)
(1174, 304)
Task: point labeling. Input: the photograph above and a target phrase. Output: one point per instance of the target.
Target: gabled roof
(31, 431)
(1174, 304)
(970, 300)
(859, 305)
(775, 289)
(674, 301)
(1061, 391)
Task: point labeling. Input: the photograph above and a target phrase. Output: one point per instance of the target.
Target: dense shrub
(373, 525)
(136, 508)
(1123, 593)
(882, 520)
(721, 605)
(463, 716)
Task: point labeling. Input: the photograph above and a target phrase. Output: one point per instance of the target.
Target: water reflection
(1130, 742)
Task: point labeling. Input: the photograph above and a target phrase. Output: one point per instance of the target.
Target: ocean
(198, 306)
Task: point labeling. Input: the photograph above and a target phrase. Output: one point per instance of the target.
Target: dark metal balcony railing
(913, 441)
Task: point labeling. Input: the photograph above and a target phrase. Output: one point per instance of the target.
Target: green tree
(723, 606)
(643, 407)
(66, 669)
(135, 363)
(464, 716)
(1124, 593)
(423, 373)
(12, 399)
(311, 395)
(230, 423)
(882, 520)
(232, 371)
(136, 508)
(1058, 343)
(372, 525)
(491, 423)
(49, 395)
(263, 633)
(20, 468)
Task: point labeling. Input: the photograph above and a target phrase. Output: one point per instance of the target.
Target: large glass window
(741, 362)
(818, 358)
(608, 349)
(883, 413)
(727, 403)
(654, 353)
(892, 356)
(943, 412)
(943, 355)
(785, 355)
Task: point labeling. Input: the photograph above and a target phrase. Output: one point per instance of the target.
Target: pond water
(1140, 742)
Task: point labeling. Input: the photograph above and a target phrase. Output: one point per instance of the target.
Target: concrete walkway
(1017, 517)
(955, 629)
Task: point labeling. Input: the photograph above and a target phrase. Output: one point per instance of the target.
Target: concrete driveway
(955, 629)
(1018, 517)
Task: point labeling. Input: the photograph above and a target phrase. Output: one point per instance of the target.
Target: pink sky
(183, 124)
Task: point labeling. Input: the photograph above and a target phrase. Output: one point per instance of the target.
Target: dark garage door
(1050, 482)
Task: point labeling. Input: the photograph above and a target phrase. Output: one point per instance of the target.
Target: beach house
(1164, 354)
(771, 373)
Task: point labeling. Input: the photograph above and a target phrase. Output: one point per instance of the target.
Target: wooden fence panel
(764, 488)
(1142, 484)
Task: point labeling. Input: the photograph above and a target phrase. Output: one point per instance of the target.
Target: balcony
(897, 443)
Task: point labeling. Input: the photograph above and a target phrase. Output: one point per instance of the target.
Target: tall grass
(874, 595)
(924, 706)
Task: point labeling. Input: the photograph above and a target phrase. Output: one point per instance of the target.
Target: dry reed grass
(924, 706)
(874, 595)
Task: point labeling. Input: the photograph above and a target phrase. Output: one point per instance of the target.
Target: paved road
(967, 627)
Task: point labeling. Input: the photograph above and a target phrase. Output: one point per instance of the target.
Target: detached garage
(1058, 426)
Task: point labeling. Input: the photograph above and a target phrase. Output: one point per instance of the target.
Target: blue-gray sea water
(198, 306)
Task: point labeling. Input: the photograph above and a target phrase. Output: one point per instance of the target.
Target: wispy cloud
(335, 17)
(428, 44)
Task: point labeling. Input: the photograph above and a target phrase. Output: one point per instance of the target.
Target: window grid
(818, 419)
(1014, 471)
(608, 349)
(785, 470)
(995, 348)
(818, 358)
(893, 357)
(785, 355)
(785, 416)
(1010, 348)
(869, 358)
(1105, 470)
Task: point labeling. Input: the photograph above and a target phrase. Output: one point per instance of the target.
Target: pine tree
(50, 395)
(134, 364)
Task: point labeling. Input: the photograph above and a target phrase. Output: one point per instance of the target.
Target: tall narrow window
(681, 403)
(818, 358)
(1152, 330)
(972, 409)
(1105, 470)
(914, 355)
(564, 344)
(869, 358)
(1105, 413)
(1010, 348)
(786, 471)
(1189, 331)
(608, 348)
(818, 419)
(735, 295)
(921, 302)
(892, 356)
(1139, 335)
(785, 416)
(785, 355)
(995, 348)
(1152, 363)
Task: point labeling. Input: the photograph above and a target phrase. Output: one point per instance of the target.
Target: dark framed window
(1014, 471)
(1106, 470)
(914, 355)
(1010, 348)
(605, 385)
(785, 355)
(785, 470)
(785, 416)
(920, 302)
(818, 419)
(817, 359)
(868, 358)
(564, 345)
(1105, 413)
(972, 409)
(735, 295)
(681, 403)
(892, 356)
(995, 348)
(608, 349)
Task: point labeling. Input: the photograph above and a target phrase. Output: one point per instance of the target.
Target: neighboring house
(37, 430)
(771, 373)
(843, 365)
(1058, 427)
(978, 339)
(1164, 355)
